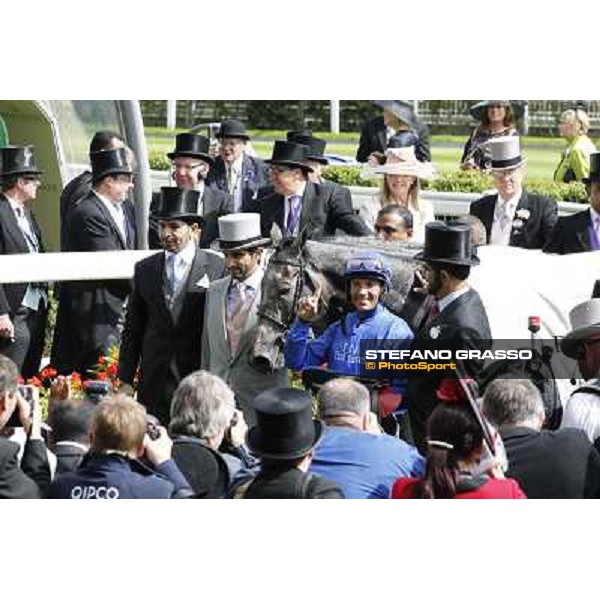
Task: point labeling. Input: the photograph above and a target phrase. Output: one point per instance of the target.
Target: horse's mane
(392, 249)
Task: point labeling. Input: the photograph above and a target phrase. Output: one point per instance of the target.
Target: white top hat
(506, 152)
(240, 231)
(585, 322)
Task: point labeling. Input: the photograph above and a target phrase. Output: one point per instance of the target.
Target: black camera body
(96, 390)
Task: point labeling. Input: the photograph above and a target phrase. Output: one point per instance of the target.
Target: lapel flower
(519, 221)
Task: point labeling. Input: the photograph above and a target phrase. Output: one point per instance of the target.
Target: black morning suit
(89, 311)
(464, 325)
(152, 338)
(536, 229)
(254, 176)
(325, 208)
(571, 234)
(27, 349)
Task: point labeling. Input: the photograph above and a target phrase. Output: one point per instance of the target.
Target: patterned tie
(293, 214)
(231, 179)
(236, 302)
(504, 217)
(171, 274)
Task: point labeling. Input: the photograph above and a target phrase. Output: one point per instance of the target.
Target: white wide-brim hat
(585, 322)
(403, 161)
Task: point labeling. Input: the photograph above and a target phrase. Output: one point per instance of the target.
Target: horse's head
(287, 278)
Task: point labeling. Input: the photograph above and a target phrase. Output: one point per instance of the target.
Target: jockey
(368, 276)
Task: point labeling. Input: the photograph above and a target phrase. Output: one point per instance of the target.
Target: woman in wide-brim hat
(402, 173)
(497, 118)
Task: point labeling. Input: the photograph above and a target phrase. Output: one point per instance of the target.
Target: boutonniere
(434, 332)
(520, 217)
(249, 177)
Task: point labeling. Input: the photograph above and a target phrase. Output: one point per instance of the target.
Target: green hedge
(467, 182)
(158, 161)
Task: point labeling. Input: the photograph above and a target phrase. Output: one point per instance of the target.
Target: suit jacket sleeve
(364, 147)
(549, 219)
(35, 465)
(341, 214)
(91, 231)
(423, 148)
(205, 345)
(592, 476)
(133, 332)
(555, 243)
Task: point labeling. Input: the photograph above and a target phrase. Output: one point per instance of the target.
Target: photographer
(113, 468)
(209, 435)
(32, 478)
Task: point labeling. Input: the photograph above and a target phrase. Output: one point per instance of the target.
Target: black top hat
(290, 154)
(175, 204)
(316, 146)
(109, 162)
(448, 243)
(18, 160)
(284, 427)
(234, 129)
(189, 144)
(401, 109)
(594, 168)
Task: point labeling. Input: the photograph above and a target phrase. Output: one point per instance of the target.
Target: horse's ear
(276, 235)
(300, 239)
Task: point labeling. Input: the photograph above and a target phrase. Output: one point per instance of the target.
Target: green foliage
(158, 161)
(467, 182)
(561, 192)
(349, 176)
(460, 181)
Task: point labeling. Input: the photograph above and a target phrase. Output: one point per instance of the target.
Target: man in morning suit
(580, 232)
(457, 319)
(90, 312)
(23, 306)
(513, 216)
(165, 312)
(230, 316)
(299, 204)
(191, 164)
(235, 171)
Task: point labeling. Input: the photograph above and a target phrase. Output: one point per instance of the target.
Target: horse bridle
(297, 293)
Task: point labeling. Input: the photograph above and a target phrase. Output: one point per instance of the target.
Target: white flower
(523, 213)
(517, 224)
(434, 332)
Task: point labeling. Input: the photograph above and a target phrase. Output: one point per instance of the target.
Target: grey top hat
(506, 153)
(240, 231)
(18, 160)
(585, 322)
